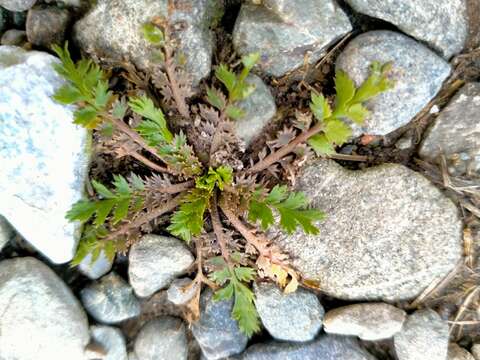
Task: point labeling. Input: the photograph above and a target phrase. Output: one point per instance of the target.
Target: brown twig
(218, 228)
(150, 163)
(200, 277)
(149, 216)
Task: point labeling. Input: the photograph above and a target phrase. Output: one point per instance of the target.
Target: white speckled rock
(288, 317)
(456, 132)
(112, 32)
(389, 232)
(155, 261)
(17, 5)
(96, 269)
(111, 340)
(110, 300)
(44, 156)
(370, 321)
(423, 333)
(441, 24)
(259, 109)
(41, 319)
(417, 71)
(181, 291)
(283, 32)
(6, 232)
(456, 352)
(162, 338)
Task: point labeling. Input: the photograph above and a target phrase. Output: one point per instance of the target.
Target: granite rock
(46, 26)
(456, 352)
(17, 5)
(112, 342)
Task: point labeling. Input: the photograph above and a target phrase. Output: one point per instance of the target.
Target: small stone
(259, 110)
(325, 348)
(110, 300)
(14, 37)
(476, 351)
(424, 332)
(285, 32)
(155, 261)
(17, 5)
(441, 24)
(44, 156)
(371, 321)
(6, 232)
(112, 341)
(404, 143)
(417, 72)
(388, 235)
(41, 319)
(456, 131)
(290, 317)
(181, 291)
(98, 268)
(456, 352)
(216, 332)
(46, 26)
(111, 31)
(162, 338)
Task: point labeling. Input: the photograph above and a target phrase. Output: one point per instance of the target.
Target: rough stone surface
(456, 132)
(417, 71)
(13, 37)
(476, 351)
(289, 317)
(41, 319)
(283, 32)
(46, 26)
(424, 332)
(259, 109)
(325, 348)
(110, 300)
(389, 232)
(96, 269)
(111, 31)
(180, 292)
(6, 232)
(155, 261)
(216, 332)
(44, 156)
(17, 5)
(456, 352)
(441, 24)
(111, 340)
(162, 338)
(370, 321)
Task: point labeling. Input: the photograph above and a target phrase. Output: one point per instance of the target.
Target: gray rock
(456, 132)
(388, 234)
(284, 32)
(46, 26)
(44, 156)
(111, 340)
(418, 74)
(155, 261)
(17, 5)
(456, 352)
(41, 319)
(6, 232)
(181, 291)
(110, 300)
(216, 332)
(476, 351)
(162, 338)
(96, 269)
(370, 321)
(111, 31)
(259, 109)
(14, 37)
(325, 348)
(290, 317)
(424, 332)
(441, 24)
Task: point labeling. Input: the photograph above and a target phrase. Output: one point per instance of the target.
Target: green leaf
(245, 274)
(103, 209)
(345, 90)
(155, 129)
(82, 211)
(250, 60)
(87, 117)
(102, 95)
(225, 293)
(152, 34)
(375, 84)
(102, 190)
(357, 113)
(260, 211)
(121, 210)
(121, 185)
(119, 109)
(219, 277)
(68, 94)
(235, 112)
(221, 176)
(216, 98)
(244, 310)
(320, 107)
(226, 76)
(321, 145)
(337, 132)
